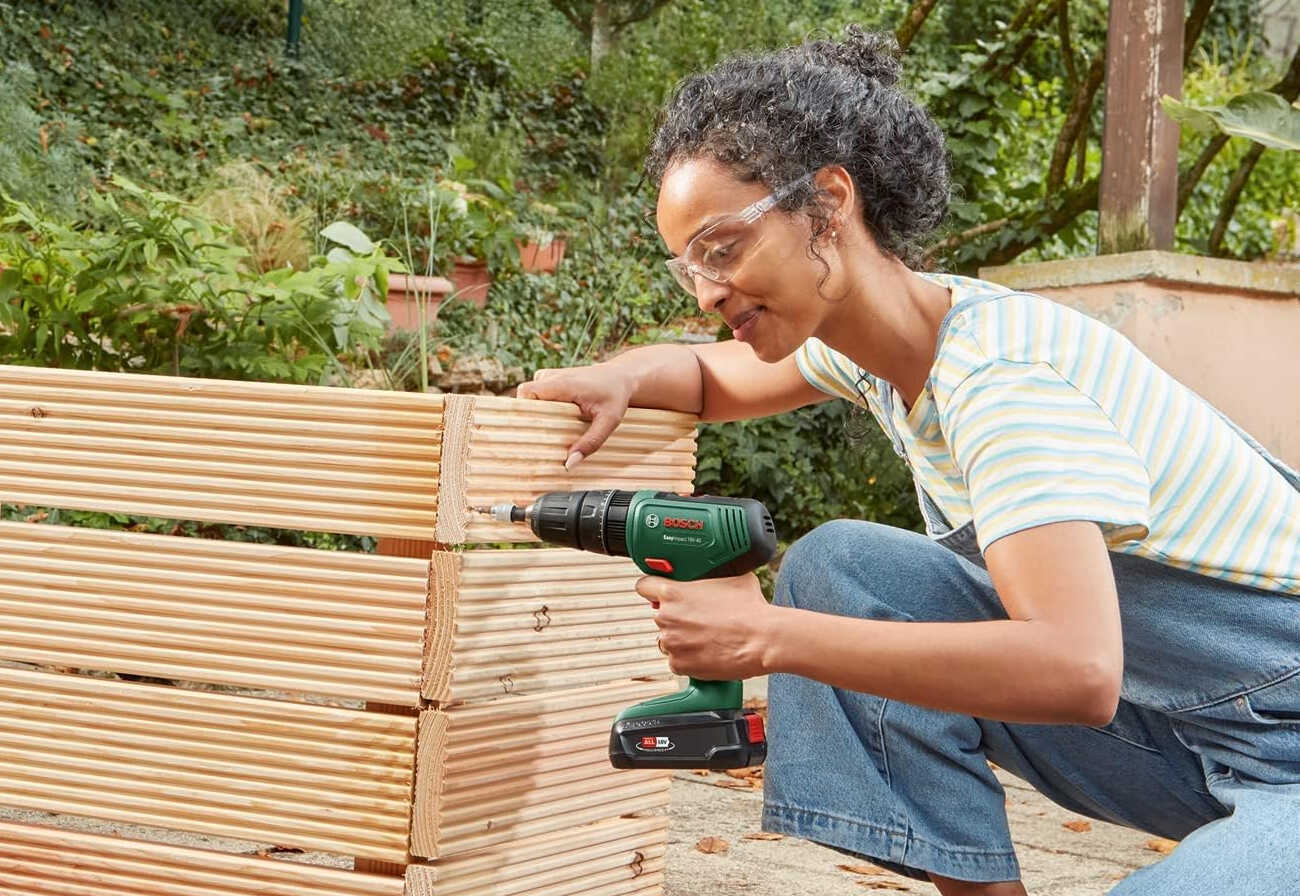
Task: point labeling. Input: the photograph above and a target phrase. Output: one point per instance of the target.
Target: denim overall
(1204, 748)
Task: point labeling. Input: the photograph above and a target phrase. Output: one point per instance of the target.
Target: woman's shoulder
(1000, 323)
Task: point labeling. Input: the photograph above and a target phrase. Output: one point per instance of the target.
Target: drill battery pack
(712, 739)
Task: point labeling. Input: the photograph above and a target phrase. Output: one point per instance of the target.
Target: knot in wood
(542, 618)
(38, 412)
(636, 865)
(507, 683)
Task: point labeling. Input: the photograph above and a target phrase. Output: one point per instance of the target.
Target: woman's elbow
(1096, 692)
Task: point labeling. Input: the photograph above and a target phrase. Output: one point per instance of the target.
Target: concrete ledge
(1169, 267)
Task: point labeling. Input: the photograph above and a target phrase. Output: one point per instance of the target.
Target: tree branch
(1026, 41)
(959, 239)
(1192, 29)
(1023, 16)
(641, 11)
(570, 12)
(1067, 49)
(1046, 221)
(913, 21)
(1036, 223)
(1080, 109)
(1188, 180)
(1231, 196)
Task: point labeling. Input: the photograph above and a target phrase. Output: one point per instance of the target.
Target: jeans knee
(873, 571)
(832, 568)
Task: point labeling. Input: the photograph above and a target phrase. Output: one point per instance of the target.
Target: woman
(1106, 602)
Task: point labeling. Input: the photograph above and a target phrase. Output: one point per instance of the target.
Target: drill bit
(503, 513)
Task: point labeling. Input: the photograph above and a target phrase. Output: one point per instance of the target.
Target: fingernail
(573, 459)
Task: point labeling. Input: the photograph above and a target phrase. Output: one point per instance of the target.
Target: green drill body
(685, 539)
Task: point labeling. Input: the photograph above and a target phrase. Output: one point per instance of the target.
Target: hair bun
(872, 54)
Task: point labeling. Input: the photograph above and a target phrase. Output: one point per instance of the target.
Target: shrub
(148, 284)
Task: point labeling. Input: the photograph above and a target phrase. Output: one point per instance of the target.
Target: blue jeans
(1205, 747)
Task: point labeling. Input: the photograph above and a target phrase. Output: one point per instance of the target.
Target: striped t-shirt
(1035, 413)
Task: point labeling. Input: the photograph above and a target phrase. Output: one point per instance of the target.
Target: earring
(835, 235)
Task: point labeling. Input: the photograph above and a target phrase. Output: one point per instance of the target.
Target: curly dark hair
(777, 116)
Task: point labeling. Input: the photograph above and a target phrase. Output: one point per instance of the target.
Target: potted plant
(472, 233)
(540, 248)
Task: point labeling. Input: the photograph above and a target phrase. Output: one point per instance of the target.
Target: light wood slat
(59, 725)
(605, 875)
(502, 449)
(519, 766)
(523, 866)
(49, 861)
(106, 601)
(247, 453)
(557, 639)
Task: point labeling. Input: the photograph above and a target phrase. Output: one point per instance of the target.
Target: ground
(1061, 854)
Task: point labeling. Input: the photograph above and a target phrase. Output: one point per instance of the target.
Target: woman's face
(771, 301)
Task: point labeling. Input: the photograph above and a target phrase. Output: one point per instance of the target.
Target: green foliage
(159, 526)
(611, 291)
(1260, 116)
(154, 287)
(41, 162)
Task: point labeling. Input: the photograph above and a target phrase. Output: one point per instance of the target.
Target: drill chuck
(587, 520)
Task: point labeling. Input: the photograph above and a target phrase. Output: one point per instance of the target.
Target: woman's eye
(716, 254)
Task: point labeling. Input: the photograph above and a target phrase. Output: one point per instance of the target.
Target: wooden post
(1139, 168)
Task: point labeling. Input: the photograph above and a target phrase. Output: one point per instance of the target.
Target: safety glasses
(718, 252)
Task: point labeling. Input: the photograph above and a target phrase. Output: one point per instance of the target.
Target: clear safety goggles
(717, 252)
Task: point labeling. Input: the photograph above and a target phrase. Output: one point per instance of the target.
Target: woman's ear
(837, 193)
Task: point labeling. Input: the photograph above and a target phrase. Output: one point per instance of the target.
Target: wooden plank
(314, 777)
(504, 449)
(49, 861)
(581, 623)
(1139, 168)
(286, 619)
(492, 773)
(298, 457)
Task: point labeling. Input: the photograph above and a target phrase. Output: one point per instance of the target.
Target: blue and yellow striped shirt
(1035, 413)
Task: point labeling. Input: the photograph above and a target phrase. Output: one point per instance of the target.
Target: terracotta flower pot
(470, 281)
(406, 291)
(538, 259)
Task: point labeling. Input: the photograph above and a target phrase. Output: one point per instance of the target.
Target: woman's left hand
(711, 629)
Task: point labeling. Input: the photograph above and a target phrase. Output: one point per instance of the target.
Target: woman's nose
(709, 294)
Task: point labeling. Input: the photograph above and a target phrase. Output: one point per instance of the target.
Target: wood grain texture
(530, 620)
(547, 859)
(296, 457)
(505, 449)
(293, 619)
(47, 861)
(314, 777)
(499, 772)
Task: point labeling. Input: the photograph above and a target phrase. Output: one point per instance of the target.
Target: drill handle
(698, 696)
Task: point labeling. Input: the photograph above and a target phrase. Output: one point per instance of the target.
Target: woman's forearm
(663, 376)
(1010, 670)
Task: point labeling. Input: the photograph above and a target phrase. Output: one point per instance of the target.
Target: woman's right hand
(601, 391)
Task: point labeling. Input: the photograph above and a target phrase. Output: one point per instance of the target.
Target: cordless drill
(684, 539)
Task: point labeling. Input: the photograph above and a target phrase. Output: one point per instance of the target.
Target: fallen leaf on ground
(884, 885)
(1161, 845)
(1079, 826)
(754, 771)
(702, 772)
(860, 869)
(734, 785)
(764, 835)
(712, 845)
